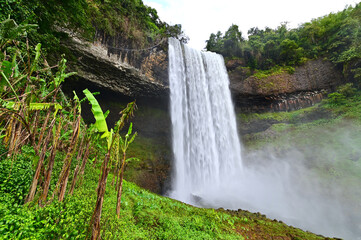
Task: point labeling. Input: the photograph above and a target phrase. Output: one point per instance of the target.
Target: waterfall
(208, 169)
(206, 146)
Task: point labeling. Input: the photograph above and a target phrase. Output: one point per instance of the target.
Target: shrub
(15, 176)
(347, 90)
(336, 98)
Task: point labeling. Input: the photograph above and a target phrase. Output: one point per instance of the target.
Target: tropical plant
(110, 135)
(122, 147)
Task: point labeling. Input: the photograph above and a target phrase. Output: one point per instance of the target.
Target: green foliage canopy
(336, 36)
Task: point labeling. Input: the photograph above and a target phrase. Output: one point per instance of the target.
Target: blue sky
(200, 18)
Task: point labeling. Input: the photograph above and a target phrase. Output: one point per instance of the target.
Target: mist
(289, 184)
(307, 176)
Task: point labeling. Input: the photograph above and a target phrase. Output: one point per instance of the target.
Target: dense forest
(136, 22)
(336, 36)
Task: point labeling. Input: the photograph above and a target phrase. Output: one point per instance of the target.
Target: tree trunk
(116, 174)
(76, 171)
(34, 183)
(49, 171)
(85, 158)
(95, 221)
(42, 131)
(119, 194)
(68, 159)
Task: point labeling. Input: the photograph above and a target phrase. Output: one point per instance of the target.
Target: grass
(144, 215)
(278, 116)
(261, 74)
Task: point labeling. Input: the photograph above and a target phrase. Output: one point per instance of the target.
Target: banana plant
(124, 144)
(100, 122)
(101, 125)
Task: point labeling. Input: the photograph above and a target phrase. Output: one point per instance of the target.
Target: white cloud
(200, 18)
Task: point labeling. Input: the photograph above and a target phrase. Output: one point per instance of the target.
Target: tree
(215, 42)
(232, 39)
(290, 52)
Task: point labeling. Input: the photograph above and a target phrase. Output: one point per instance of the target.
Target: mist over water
(208, 167)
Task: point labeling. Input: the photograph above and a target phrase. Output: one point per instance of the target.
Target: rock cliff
(285, 91)
(132, 73)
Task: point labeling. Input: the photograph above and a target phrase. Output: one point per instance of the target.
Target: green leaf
(6, 66)
(132, 159)
(121, 142)
(110, 138)
(44, 106)
(133, 137)
(37, 56)
(61, 75)
(130, 130)
(76, 98)
(11, 86)
(106, 114)
(9, 104)
(100, 122)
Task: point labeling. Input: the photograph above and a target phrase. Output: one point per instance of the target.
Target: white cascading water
(205, 141)
(208, 168)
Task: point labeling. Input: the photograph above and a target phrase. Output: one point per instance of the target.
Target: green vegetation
(335, 37)
(277, 116)
(45, 144)
(260, 74)
(135, 23)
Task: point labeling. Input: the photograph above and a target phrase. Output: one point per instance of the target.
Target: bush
(347, 90)
(16, 176)
(336, 98)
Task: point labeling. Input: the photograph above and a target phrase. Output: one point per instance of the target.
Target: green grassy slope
(144, 215)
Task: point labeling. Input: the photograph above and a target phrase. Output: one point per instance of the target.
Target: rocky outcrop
(285, 91)
(96, 64)
(279, 102)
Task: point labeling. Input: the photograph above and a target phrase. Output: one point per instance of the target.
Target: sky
(200, 18)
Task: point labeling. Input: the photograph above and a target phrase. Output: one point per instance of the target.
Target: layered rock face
(132, 73)
(284, 92)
